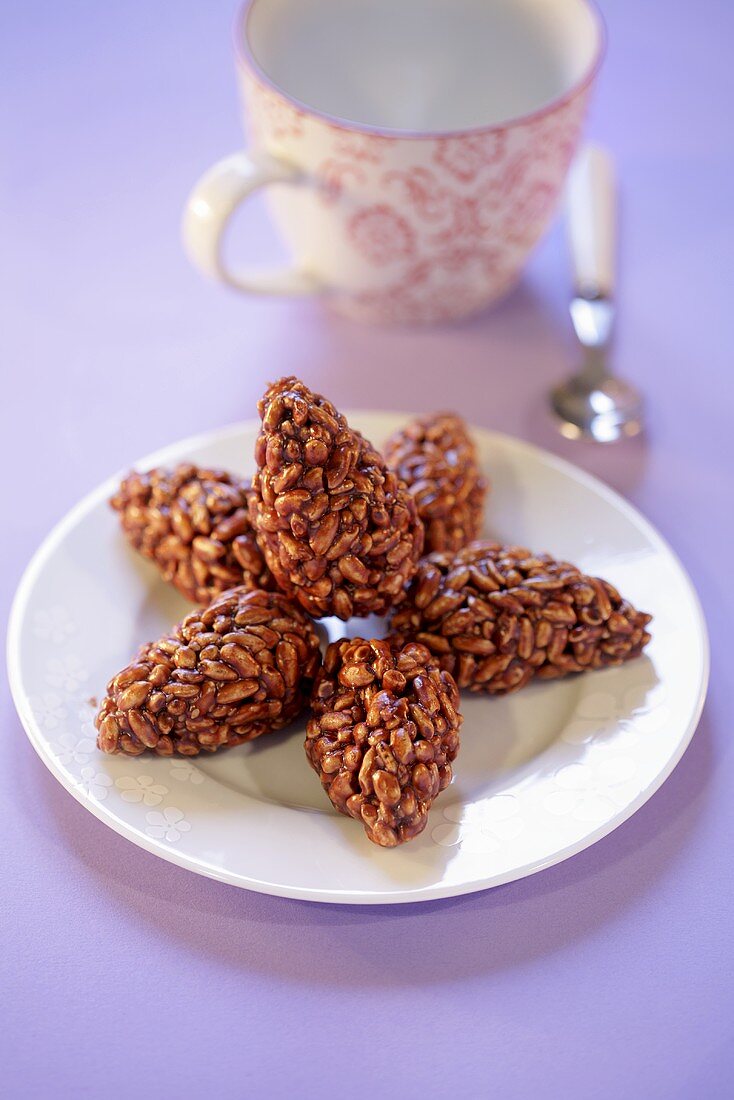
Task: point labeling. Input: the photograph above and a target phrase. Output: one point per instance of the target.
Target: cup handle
(211, 204)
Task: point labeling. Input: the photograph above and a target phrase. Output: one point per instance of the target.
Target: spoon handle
(591, 214)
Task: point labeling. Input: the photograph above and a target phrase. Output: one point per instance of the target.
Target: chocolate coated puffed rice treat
(338, 529)
(437, 460)
(496, 616)
(193, 523)
(241, 667)
(383, 733)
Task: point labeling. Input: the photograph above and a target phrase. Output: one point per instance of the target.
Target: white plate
(541, 775)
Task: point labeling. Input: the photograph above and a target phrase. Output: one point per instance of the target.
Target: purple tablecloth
(607, 976)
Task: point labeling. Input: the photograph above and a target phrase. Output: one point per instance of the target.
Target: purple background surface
(123, 975)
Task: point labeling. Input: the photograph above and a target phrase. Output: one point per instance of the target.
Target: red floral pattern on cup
(471, 219)
(464, 156)
(361, 147)
(381, 235)
(534, 207)
(449, 285)
(335, 176)
(272, 117)
(419, 188)
(403, 228)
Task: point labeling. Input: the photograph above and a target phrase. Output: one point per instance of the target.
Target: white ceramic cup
(420, 146)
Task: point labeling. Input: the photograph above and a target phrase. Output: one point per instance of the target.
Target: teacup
(420, 147)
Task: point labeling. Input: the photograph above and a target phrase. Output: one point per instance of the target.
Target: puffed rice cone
(383, 734)
(339, 531)
(193, 523)
(230, 672)
(436, 458)
(496, 616)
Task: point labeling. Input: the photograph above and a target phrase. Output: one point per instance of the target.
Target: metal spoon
(593, 403)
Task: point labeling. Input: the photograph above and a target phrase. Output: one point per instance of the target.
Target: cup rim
(246, 58)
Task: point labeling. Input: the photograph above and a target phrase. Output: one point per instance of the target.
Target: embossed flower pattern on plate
(185, 772)
(600, 715)
(95, 784)
(170, 824)
(66, 673)
(50, 710)
(53, 624)
(72, 749)
(592, 792)
(141, 788)
(482, 827)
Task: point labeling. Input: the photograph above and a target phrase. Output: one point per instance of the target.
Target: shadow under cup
(422, 145)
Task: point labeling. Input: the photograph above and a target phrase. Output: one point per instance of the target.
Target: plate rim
(336, 897)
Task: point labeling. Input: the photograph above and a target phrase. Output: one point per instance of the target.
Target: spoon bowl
(604, 411)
